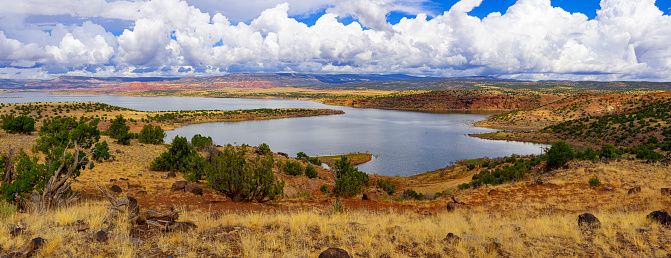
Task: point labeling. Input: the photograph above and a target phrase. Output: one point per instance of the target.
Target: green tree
(151, 134)
(201, 142)
(609, 151)
(293, 168)
(559, 154)
(311, 172)
(349, 180)
(180, 156)
(67, 145)
(119, 130)
(232, 174)
(21, 124)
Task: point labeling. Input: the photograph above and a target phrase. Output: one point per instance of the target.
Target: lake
(403, 143)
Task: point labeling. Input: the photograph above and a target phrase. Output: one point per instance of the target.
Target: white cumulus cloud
(628, 39)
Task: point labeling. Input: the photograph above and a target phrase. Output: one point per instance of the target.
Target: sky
(603, 40)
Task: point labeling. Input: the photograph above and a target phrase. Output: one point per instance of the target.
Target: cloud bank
(628, 40)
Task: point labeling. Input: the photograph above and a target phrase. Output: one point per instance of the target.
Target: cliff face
(448, 100)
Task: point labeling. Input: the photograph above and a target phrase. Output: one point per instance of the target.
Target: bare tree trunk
(56, 192)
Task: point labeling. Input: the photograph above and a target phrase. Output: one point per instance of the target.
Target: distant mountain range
(254, 80)
(392, 82)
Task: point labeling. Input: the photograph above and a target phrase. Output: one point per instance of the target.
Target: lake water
(403, 143)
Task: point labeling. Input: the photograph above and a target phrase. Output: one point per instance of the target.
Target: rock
(666, 191)
(370, 196)
(237, 198)
(80, 225)
(116, 189)
(588, 220)
(452, 238)
(112, 180)
(130, 186)
(661, 217)
(20, 225)
(118, 151)
(334, 253)
(635, 190)
(35, 244)
(178, 186)
(101, 236)
(194, 189)
(16, 232)
(491, 192)
(607, 188)
(171, 175)
(493, 247)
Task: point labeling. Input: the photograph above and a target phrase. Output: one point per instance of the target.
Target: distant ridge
(391, 82)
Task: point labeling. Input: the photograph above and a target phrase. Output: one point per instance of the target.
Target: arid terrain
(536, 215)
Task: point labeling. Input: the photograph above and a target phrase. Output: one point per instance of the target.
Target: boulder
(370, 196)
(16, 232)
(80, 225)
(178, 186)
(588, 220)
(194, 188)
(635, 190)
(661, 217)
(35, 244)
(237, 198)
(101, 236)
(451, 238)
(171, 175)
(666, 191)
(116, 189)
(334, 253)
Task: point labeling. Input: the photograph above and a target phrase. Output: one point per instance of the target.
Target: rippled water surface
(403, 142)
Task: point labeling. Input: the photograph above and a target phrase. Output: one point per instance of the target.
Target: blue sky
(524, 39)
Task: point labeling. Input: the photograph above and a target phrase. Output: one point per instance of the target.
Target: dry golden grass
(362, 233)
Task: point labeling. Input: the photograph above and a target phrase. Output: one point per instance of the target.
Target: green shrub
(293, 168)
(387, 186)
(470, 166)
(411, 194)
(232, 174)
(201, 142)
(559, 154)
(119, 130)
(265, 149)
(29, 175)
(151, 134)
(21, 124)
(180, 156)
(609, 151)
(464, 186)
(594, 181)
(310, 171)
(349, 180)
(325, 189)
